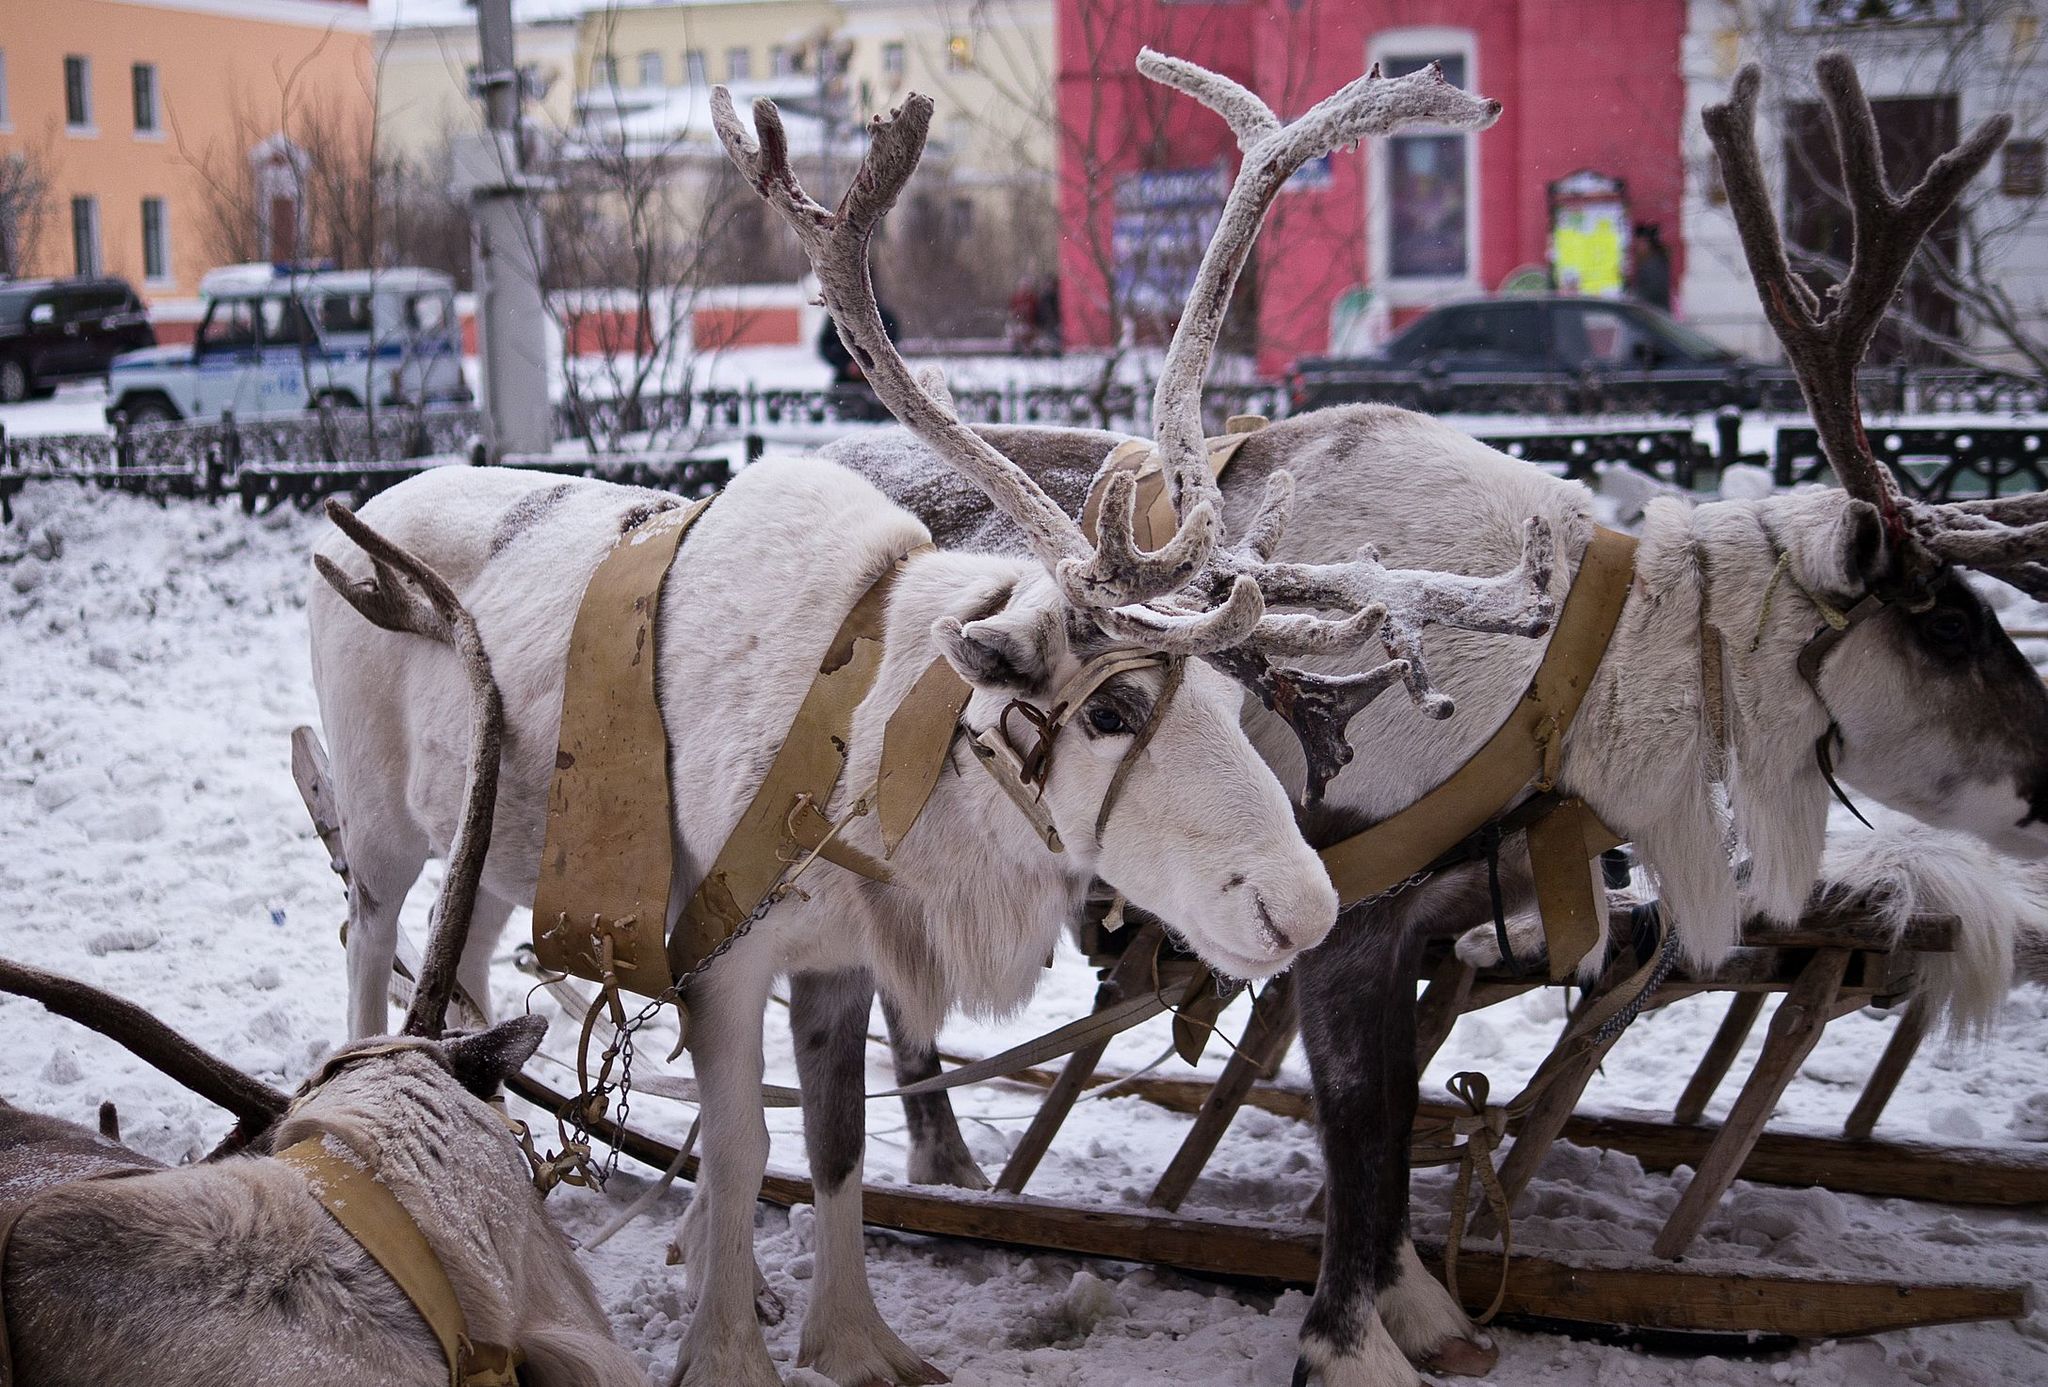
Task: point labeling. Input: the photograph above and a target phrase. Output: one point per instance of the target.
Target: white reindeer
(1925, 702)
(1202, 834)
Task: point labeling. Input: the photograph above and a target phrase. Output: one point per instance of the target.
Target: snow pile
(152, 842)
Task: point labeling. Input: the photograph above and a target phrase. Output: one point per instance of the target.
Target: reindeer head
(1111, 602)
(1931, 707)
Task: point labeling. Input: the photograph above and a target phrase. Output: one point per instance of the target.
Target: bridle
(1836, 623)
(1022, 772)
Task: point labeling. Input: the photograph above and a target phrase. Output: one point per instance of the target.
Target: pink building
(1370, 238)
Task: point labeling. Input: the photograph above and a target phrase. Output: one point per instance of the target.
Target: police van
(279, 339)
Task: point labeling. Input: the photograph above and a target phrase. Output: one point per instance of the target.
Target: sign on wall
(1164, 218)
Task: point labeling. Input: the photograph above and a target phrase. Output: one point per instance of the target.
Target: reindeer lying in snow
(1149, 780)
(1924, 702)
(115, 1269)
(233, 1271)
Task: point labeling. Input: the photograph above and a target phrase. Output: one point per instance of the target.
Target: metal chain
(1397, 888)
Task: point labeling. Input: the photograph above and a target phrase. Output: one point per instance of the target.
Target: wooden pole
(1727, 1044)
(1267, 1034)
(1795, 1028)
(1884, 1079)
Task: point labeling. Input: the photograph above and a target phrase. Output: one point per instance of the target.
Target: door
(292, 371)
(227, 358)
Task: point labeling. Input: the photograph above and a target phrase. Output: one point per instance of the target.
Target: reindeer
(1149, 780)
(118, 1269)
(1919, 701)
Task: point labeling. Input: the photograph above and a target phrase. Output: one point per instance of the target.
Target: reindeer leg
(938, 1152)
(1374, 1307)
(844, 1336)
(381, 870)
(723, 1346)
(473, 975)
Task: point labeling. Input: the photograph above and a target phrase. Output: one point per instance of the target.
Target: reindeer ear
(485, 1060)
(1008, 650)
(1862, 547)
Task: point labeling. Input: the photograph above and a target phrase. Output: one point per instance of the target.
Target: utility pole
(505, 245)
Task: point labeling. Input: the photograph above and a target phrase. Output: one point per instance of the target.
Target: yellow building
(152, 138)
(427, 53)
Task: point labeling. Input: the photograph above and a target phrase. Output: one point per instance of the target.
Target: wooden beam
(1727, 1044)
(1884, 1079)
(1804, 1306)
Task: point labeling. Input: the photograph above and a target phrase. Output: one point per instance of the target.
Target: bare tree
(24, 205)
(1968, 297)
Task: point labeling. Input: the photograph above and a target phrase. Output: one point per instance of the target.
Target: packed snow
(152, 842)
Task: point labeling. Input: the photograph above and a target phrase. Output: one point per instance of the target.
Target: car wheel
(337, 399)
(14, 382)
(149, 411)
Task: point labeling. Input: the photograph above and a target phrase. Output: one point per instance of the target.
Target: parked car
(1539, 350)
(54, 330)
(278, 339)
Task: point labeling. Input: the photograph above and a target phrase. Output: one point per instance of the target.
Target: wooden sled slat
(1654, 1296)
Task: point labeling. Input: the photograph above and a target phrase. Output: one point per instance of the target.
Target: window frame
(650, 58)
(155, 129)
(895, 60)
(696, 68)
(1416, 291)
(6, 106)
(163, 273)
(81, 64)
(90, 265)
(739, 64)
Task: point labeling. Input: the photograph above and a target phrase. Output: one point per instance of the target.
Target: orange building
(152, 139)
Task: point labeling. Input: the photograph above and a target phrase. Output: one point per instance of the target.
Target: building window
(156, 240)
(695, 72)
(892, 61)
(650, 70)
(85, 235)
(959, 53)
(739, 64)
(604, 71)
(78, 92)
(147, 118)
(784, 61)
(1426, 190)
(5, 122)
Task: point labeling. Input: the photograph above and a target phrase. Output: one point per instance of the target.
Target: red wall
(1586, 84)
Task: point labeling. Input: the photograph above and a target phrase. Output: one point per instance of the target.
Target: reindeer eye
(1106, 720)
(1947, 625)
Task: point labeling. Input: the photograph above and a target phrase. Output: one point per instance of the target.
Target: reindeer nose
(1270, 934)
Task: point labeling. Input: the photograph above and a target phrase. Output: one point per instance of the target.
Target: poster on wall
(1588, 233)
(1164, 218)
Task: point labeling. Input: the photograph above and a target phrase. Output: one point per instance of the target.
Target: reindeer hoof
(949, 1168)
(1461, 1358)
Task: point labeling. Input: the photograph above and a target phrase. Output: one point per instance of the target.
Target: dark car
(65, 329)
(1551, 352)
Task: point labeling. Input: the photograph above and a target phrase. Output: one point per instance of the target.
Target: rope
(1482, 1126)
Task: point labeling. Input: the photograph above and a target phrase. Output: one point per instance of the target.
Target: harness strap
(1155, 521)
(1811, 656)
(371, 1214)
(1526, 747)
(609, 800)
(808, 765)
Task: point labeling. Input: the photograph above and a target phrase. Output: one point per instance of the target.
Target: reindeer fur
(234, 1272)
(753, 599)
(1917, 718)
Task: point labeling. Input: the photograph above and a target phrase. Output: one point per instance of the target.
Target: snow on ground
(152, 664)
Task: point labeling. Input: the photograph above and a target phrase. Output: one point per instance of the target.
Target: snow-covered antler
(1110, 578)
(1370, 601)
(1825, 337)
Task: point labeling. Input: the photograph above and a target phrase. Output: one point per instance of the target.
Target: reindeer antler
(254, 1104)
(1825, 339)
(406, 595)
(1394, 605)
(1112, 577)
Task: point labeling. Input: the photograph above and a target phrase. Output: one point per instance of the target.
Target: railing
(1933, 464)
(300, 460)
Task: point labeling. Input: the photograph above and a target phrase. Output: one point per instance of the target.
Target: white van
(278, 339)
